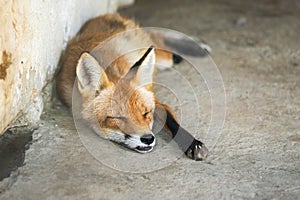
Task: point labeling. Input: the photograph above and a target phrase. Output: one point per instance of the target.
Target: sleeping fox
(116, 97)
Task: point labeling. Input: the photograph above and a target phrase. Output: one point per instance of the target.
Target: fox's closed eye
(118, 117)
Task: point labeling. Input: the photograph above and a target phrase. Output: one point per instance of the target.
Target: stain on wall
(6, 62)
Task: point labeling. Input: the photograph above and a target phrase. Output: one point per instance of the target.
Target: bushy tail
(176, 45)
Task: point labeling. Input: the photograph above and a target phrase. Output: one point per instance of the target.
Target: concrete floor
(256, 48)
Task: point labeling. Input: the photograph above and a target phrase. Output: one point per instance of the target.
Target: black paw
(197, 151)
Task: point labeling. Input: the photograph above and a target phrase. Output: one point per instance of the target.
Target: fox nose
(147, 139)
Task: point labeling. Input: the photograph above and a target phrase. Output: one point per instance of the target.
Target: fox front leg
(192, 147)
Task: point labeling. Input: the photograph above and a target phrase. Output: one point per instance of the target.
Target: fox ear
(144, 68)
(90, 74)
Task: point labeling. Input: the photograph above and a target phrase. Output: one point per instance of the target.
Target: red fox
(118, 102)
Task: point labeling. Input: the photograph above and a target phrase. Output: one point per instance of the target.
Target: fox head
(123, 111)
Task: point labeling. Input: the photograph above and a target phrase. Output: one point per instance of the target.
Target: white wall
(32, 35)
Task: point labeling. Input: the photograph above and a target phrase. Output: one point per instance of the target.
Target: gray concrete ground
(256, 47)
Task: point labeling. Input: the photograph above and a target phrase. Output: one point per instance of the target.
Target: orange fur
(92, 34)
(115, 104)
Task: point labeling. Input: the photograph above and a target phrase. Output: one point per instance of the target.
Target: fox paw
(197, 151)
